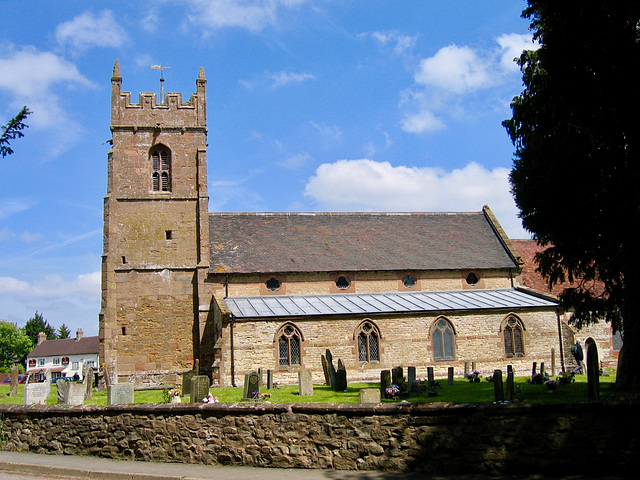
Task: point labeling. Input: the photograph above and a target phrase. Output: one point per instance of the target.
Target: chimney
(79, 334)
(41, 337)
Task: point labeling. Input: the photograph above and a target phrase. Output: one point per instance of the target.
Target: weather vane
(162, 68)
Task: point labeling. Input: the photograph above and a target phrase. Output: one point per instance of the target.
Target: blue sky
(313, 105)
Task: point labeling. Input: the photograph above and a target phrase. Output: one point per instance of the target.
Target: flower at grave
(174, 393)
(210, 399)
(565, 378)
(264, 396)
(255, 394)
(392, 390)
(474, 376)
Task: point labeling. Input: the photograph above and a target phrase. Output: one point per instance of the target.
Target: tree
(576, 133)
(14, 346)
(37, 324)
(63, 331)
(13, 130)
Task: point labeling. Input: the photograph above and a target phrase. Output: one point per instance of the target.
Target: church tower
(156, 232)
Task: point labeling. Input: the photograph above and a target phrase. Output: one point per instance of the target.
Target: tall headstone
(251, 385)
(430, 377)
(341, 380)
(450, 376)
(120, 394)
(396, 375)
(553, 361)
(13, 389)
(260, 377)
(385, 381)
(510, 386)
(87, 380)
(533, 370)
(593, 371)
(329, 369)
(305, 382)
(325, 370)
(186, 382)
(411, 375)
(269, 379)
(466, 369)
(199, 388)
(498, 387)
(47, 380)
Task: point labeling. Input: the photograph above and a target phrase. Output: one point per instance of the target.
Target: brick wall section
(557, 439)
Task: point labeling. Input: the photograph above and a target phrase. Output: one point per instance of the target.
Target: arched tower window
(289, 341)
(161, 169)
(513, 334)
(368, 337)
(443, 337)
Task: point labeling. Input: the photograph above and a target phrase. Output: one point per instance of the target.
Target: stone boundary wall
(583, 438)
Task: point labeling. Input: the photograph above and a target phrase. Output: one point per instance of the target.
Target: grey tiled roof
(377, 303)
(330, 242)
(66, 346)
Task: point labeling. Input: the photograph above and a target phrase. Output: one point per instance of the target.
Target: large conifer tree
(576, 170)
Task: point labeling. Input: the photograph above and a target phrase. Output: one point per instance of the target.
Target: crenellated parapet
(171, 113)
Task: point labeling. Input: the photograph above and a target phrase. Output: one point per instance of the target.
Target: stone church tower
(156, 232)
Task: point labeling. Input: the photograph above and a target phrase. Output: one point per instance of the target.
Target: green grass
(460, 392)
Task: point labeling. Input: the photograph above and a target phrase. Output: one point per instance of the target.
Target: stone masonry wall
(558, 439)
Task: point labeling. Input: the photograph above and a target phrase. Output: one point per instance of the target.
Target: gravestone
(13, 390)
(87, 380)
(510, 385)
(533, 370)
(325, 370)
(260, 377)
(430, 377)
(47, 380)
(553, 361)
(369, 395)
(63, 388)
(269, 379)
(251, 385)
(305, 382)
(542, 370)
(411, 375)
(120, 394)
(466, 369)
(329, 369)
(341, 381)
(498, 388)
(450, 376)
(36, 393)
(199, 388)
(396, 375)
(385, 381)
(186, 382)
(593, 371)
(71, 393)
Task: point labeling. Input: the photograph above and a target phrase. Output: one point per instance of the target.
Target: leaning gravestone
(36, 393)
(251, 385)
(369, 395)
(13, 390)
(329, 369)
(305, 382)
(199, 388)
(120, 394)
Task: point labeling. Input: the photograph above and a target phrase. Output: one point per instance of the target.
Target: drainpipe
(561, 339)
(232, 321)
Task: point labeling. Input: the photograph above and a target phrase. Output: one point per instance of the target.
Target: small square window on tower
(168, 234)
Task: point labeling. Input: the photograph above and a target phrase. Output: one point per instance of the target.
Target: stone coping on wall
(348, 409)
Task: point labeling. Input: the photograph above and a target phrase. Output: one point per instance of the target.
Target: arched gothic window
(368, 337)
(443, 337)
(289, 340)
(161, 169)
(513, 334)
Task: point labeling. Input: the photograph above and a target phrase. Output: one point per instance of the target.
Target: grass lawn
(460, 392)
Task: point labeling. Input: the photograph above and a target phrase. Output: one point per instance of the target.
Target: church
(235, 292)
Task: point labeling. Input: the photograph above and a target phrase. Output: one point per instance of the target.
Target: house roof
(376, 303)
(334, 242)
(66, 346)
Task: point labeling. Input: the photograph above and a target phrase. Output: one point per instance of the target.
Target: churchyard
(462, 391)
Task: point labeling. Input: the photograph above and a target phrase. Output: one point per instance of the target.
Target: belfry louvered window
(289, 346)
(368, 343)
(161, 169)
(513, 337)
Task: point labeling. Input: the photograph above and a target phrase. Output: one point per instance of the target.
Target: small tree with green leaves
(37, 324)
(13, 130)
(63, 331)
(14, 346)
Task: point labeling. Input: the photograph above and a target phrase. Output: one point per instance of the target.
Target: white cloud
(450, 80)
(296, 161)
(253, 15)
(31, 78)
(30, 237)
(89, 30)
(512, 45)
(366, 185)
(281, 79)
(12, 206)
(400, 43)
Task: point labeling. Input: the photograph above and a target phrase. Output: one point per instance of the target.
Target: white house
(64, 357)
